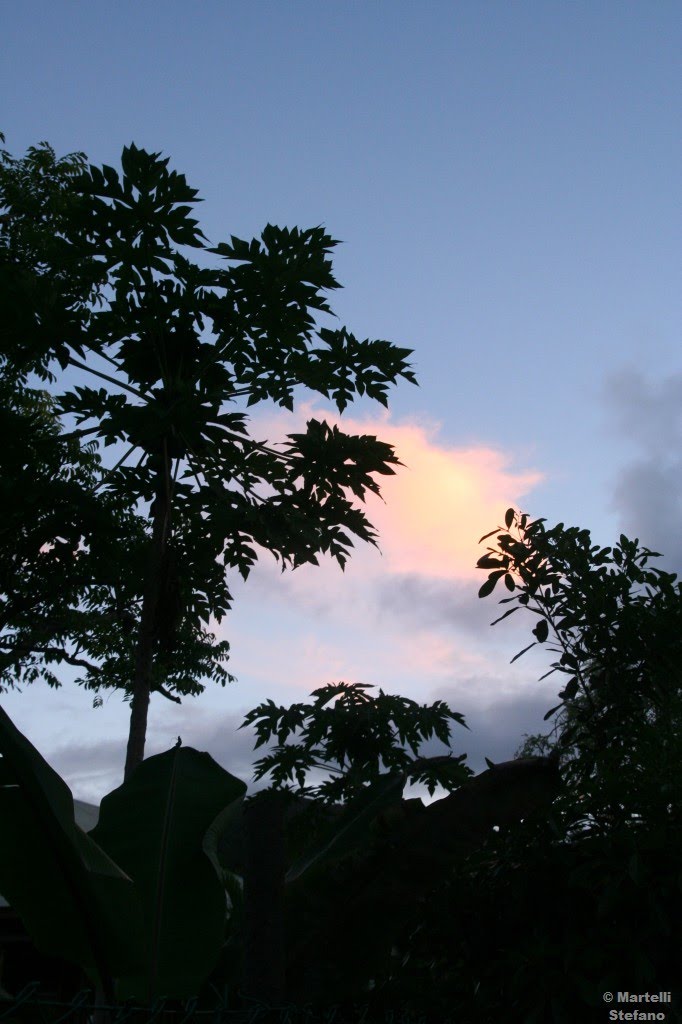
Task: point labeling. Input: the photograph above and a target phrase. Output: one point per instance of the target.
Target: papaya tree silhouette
(105, 275)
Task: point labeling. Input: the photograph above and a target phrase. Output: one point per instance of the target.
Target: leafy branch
(358, 734)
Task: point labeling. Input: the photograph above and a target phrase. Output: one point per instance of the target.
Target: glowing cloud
(438, 503)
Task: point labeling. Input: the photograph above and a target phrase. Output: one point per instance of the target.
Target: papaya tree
(184, 343)
(354, 739)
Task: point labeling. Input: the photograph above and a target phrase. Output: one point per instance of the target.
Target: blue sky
(505, 180)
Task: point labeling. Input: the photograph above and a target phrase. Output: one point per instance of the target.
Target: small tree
(117, 242)
(616, 625)
(589, 894)
(354, 739)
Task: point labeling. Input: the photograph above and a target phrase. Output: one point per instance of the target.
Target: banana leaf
(73, 899)
(154, 827)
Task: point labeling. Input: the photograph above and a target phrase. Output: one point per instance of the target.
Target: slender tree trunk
(144, 655)
(263, 962)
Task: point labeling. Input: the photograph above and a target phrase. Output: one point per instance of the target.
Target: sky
(505, 178)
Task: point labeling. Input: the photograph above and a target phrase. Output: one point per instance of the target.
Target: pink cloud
(439, 502)
(324, 626)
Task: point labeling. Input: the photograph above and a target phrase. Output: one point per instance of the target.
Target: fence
(29, 1008)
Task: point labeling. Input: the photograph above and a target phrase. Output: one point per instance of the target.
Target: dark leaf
(489, 562)
(516, 656)
(486, 535)
(570, 690)
(541, 631)
(510, 611)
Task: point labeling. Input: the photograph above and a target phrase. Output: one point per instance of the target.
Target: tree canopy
(93, 270)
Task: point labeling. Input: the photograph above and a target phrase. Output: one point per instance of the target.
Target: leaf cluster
(46, 294)
(48, 552)
(360, 734)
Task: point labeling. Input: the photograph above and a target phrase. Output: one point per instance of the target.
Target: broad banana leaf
(154, 827)
(74, 901)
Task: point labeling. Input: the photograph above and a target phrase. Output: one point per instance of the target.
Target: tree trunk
(144, 655)
(265, 861)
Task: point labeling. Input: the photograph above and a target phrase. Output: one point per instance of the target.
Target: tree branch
(59, 652)
(164, 693)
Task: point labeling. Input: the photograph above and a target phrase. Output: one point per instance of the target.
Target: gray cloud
(428, 602)
(90, 770)
(647, 492)
(649, 499)
(646, 412)
(497, 724)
